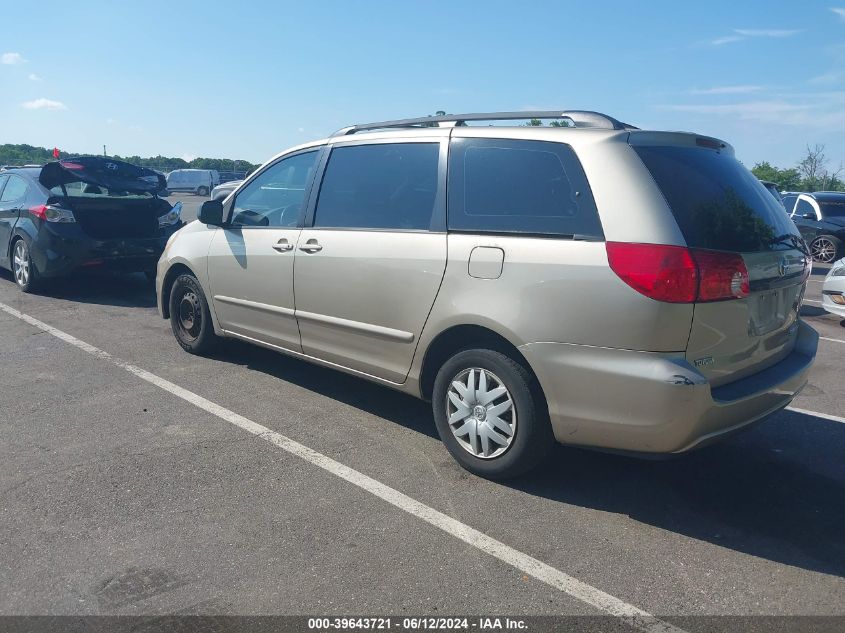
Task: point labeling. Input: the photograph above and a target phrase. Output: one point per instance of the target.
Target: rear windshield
(831, 208)
(717, 202)
(87, 190)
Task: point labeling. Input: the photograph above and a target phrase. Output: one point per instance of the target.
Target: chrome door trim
(368, 328)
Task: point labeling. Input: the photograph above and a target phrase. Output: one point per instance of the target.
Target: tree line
(29, 155)
(812, 173)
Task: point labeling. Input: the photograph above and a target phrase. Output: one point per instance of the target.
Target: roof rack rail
(581, 118)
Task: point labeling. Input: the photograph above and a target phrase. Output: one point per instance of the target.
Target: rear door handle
(311, 246)
(283, 246)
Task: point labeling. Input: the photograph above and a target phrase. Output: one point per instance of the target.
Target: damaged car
(87, 213)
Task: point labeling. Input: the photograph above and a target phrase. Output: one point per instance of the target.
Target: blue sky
(246, 80)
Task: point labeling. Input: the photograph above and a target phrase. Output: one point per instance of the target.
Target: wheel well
(172, 273)
(461, 337)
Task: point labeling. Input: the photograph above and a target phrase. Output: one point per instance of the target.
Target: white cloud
(719, 41)
(43, 104)
(828, 79)
(726, 90)
(822, 110)
(838, 11)
(743, 34)
(11, 59)
(34, 77)
(767, 32)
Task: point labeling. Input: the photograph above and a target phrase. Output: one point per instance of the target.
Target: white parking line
(826, 416)
(812, 301)
(827, 338)
(525, 563)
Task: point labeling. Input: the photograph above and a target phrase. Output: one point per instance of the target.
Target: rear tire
(202, 191)
(826, 249)
(190, 317)
(467, 408)
(24, 271)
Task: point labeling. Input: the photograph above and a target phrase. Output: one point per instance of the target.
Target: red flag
(55, 152)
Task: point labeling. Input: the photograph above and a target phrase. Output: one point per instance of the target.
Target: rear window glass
(511, 186)
(717, 202)
(832, 208)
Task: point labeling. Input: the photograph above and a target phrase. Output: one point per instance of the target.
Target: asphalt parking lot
(122, 497)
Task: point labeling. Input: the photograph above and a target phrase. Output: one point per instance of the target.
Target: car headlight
(171, 217)
(837, 271)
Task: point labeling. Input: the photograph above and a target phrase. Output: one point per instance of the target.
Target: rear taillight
(676, 274)
(50, 213)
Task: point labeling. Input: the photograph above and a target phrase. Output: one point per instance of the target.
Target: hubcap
(190, 315)
(823, 250)
(20, 263)
(481, 413)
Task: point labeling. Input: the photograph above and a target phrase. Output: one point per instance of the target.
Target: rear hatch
(109, 198)
(720, 206)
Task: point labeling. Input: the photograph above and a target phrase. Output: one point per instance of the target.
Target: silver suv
(593, 284)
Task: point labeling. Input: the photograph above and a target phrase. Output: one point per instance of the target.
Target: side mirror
(808, 216)
(211, 212)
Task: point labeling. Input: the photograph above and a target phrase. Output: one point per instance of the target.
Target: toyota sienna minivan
(593, 283)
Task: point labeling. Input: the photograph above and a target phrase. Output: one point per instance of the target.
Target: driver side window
(804, 207)
(276, 196)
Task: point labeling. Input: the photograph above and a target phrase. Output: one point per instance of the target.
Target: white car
(833, 290)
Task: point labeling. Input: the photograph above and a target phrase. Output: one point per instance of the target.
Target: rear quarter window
(717, 203)
(513, 186)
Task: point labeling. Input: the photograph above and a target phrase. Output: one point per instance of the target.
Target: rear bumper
(657, 403)
(56, 253)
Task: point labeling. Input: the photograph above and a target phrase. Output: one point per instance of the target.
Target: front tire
(826, 249)
(490, 414)
(26, 275)
(190, 317)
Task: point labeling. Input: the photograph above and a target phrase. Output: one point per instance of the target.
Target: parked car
(82, 214)
(227, 176)
(197, 181)
(772, 188)
(833, 289)
(221, 191)
(820, 217)
(789, 198)
(629, 290)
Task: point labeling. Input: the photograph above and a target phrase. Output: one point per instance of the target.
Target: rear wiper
(791, 238)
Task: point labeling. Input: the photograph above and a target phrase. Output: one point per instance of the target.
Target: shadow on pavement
(776, 491)
(127, 290)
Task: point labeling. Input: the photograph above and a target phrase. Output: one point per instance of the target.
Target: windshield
(830, 208)
(718, 203)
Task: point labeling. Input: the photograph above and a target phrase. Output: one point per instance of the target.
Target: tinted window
(789, 202)
(380, 186)
(803, 207)
(717, 202)
(832, 208)
(275, 197)
(2, 182)
(519, 186)
(15, 189)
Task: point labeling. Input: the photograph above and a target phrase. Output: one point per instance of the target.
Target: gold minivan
(586, 282)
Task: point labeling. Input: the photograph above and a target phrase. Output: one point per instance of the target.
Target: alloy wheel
(20, 263)
(481, 413)
(823, 250)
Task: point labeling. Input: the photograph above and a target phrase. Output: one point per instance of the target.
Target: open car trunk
(720, 206)
(109, 198)
(105, 217)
